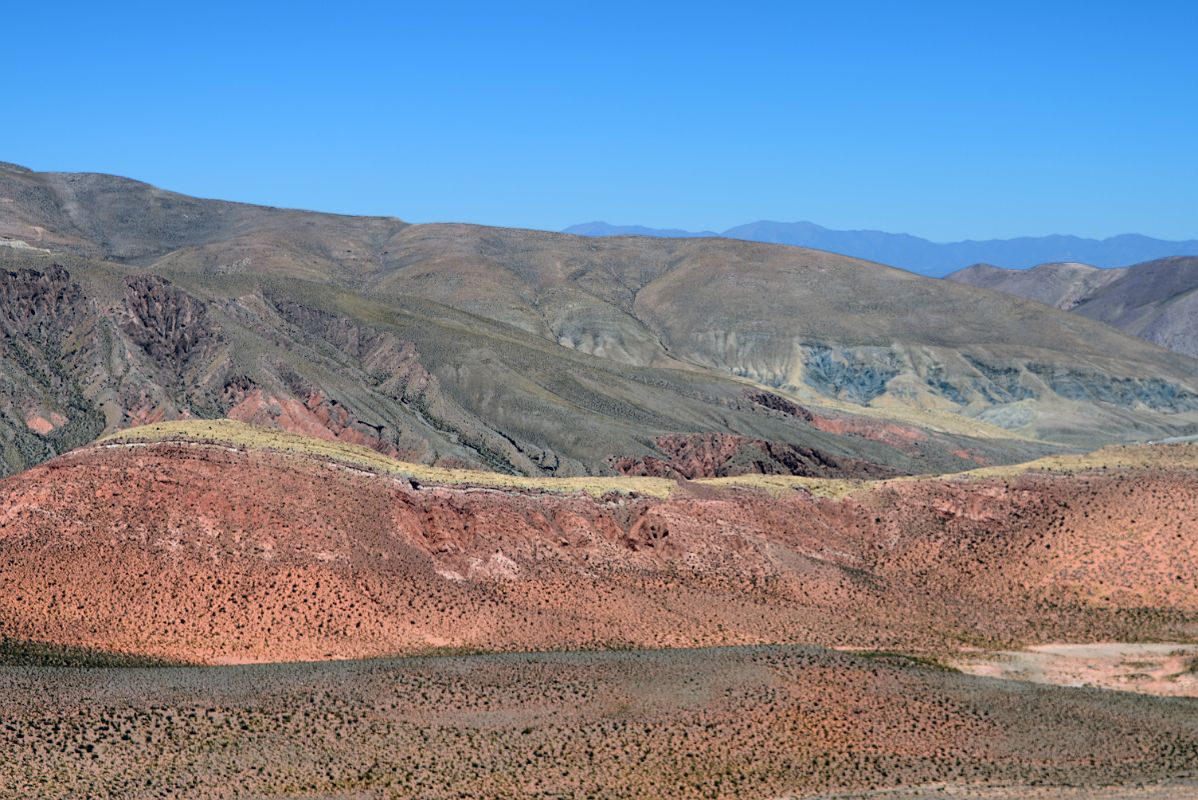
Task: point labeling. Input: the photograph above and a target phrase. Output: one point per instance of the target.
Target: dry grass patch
(776, 485)
(1117, 457)
(239, 435)
(229, 433)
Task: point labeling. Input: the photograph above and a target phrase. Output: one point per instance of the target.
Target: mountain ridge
(535, 353)
(1156, 300)
(930, 258)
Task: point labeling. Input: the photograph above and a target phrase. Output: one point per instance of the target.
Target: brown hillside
(528, 352)
(1156, 300)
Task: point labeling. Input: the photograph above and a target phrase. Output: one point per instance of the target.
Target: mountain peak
(607, 229)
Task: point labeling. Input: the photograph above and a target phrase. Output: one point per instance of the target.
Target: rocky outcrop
(314, 414)
(1153, 393)
(779, 404)
(38, 305)
(170, 325)
(70, 366)
(715, 455)
(46, 343)
(1000, 384)
(849, 375)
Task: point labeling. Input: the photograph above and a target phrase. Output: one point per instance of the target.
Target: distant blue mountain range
(926, 257)
(603, 229)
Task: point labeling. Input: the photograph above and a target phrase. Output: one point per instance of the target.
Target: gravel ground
(737, 722)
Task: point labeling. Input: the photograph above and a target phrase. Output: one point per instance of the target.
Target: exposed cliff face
(48, 332)
(38, 305)
(779, 404)
(862, 375)
(314, 415)
(853, 375)
(715, 455)
(1153, 393)
(171, 326)
(72, 367)
(1001, 384)
(392, 364)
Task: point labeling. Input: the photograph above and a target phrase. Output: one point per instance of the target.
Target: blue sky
(946, 120)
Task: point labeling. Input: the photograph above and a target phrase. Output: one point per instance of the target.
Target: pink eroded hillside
(217, 553)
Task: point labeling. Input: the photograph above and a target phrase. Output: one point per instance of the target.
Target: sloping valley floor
(724, 722)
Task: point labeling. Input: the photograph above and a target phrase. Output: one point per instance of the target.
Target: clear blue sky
(947, 120)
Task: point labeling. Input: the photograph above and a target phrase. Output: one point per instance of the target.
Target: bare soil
(1160, 668)
(728, 723)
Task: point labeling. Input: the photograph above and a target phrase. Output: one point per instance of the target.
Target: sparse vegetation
(905, 659)
(236, 434)
(470, 392)
(341, 551)
(724, 723)
(18, 652)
